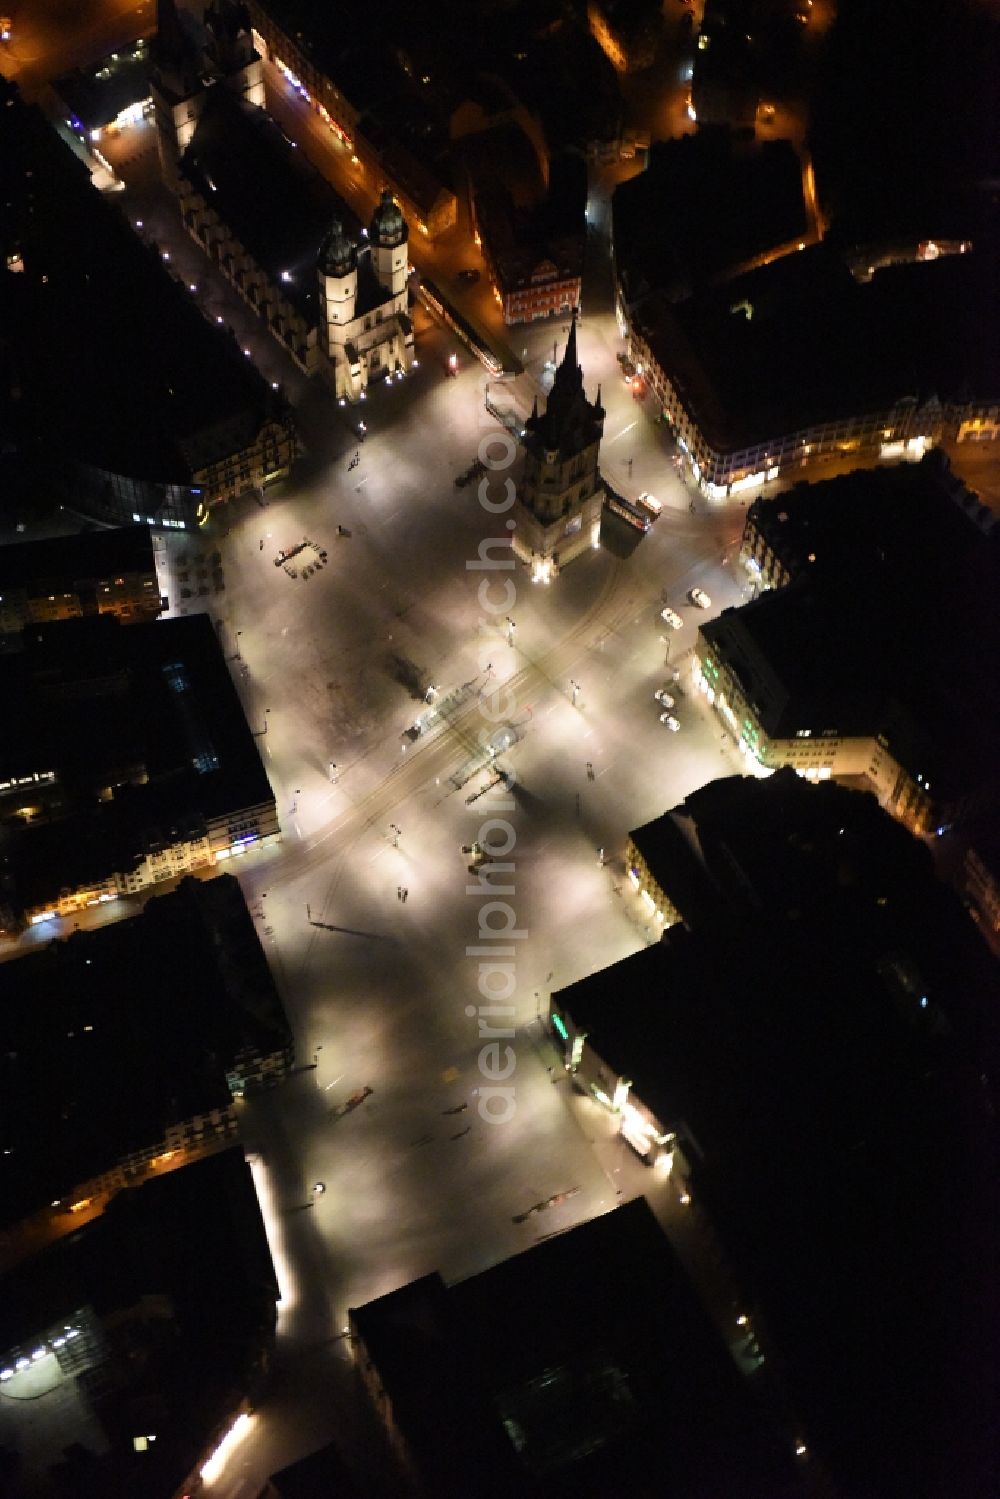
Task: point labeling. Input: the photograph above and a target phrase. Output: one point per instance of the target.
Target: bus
(627, 511)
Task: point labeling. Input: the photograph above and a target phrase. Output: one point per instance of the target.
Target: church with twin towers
(334, 293)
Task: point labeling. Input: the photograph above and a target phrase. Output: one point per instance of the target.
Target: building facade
(982, 887)
(929, 379)
(558, 507)
(527, 292)
(903, 430)
(816, 754)
(654, 1140)
(647, 886)
(431, 206)
(84, 820)
(98, 572)
(627, 33)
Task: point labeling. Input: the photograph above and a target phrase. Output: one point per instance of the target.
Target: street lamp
(576, 691)
(396, 832)
(258, 732)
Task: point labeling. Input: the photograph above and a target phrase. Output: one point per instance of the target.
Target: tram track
(432, 757)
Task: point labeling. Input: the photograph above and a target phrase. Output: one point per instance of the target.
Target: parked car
(670, 618)
(700, 597)
(663, 697)
(649, 502)
(670, 721)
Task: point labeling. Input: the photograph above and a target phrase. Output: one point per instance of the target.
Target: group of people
(401, 894)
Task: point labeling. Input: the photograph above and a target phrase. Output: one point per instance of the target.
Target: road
(51, 37)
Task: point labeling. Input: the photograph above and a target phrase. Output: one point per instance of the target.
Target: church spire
(569, 359)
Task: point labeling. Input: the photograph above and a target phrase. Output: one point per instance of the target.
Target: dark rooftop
(800, 342)
(115, 364)
(843, 1139)
(910, 516)
(268, 193)
(439, 1404)
(65, 561)
(147, 710)
(589, 1402)
(518, 246)
(913, 551)
(90, 1073)
(191, 1241)
(321, 1475)
(738, 202)
(97, 95)
(901, 98)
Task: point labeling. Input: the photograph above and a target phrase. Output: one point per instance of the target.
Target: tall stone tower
(389, 240)
(558, 508)
(187, 61)
(337, 267)
(176, 86)
(231, 52)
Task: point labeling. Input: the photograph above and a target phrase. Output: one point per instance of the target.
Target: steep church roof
(388, 225)
(337, 254)
(178, 63)
(570, 422)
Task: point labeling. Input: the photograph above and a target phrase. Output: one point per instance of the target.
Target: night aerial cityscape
(520, 1017)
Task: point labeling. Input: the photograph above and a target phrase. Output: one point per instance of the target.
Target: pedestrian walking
(261, 543)
(405, 894)
(399, 892)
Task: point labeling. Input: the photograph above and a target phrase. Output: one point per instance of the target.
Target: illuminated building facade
(558, 505)
(762, 377)
(866, 694)
(309, 49)
(602, 1066)
(533, 277)
(130, 763)
(627, 31)
(97, 572)
(981, 884)
(100, 1098)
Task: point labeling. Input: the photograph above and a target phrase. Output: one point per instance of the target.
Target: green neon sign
(560, 1027)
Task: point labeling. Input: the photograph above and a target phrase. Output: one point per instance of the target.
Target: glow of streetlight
(215, 1464)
